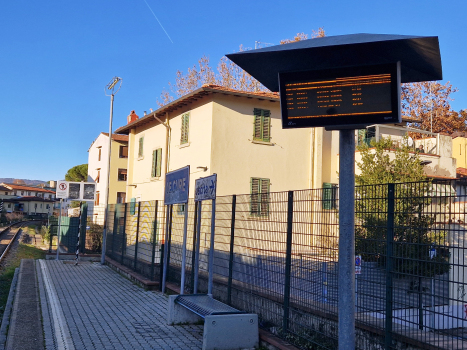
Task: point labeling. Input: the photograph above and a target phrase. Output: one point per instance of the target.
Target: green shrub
(46, 235)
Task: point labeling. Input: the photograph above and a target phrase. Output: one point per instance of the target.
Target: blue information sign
(205, 188)
(177, 185)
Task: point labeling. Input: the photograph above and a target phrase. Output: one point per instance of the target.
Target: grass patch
(24, 251)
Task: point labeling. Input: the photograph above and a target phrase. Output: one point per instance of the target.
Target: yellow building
(98, 171)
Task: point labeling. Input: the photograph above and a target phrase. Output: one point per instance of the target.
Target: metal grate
(203, 305)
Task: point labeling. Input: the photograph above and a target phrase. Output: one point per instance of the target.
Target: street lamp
(110, 90)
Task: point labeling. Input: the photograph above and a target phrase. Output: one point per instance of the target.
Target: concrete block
(234, 331)
(179, 314)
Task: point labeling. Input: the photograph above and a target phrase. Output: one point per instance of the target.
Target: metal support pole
(104, 234)
(346, 275)
(288, 262)
(79, 232)
(193, 255)
(231, 256)
(137, 236)
(166, 248)
(211, 248)
(154, 236)
(389, 265)
(185, 233)
(59, 228)
(198, 238)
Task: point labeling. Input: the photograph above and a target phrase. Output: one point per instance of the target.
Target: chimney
(132, 117)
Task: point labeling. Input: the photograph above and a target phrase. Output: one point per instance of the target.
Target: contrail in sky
(158, 21)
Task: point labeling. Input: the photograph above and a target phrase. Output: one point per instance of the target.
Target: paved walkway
(90, 306)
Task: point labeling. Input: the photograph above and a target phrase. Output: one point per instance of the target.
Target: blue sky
(57, 56)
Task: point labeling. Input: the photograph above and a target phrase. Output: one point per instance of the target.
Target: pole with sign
(205, 189)
(177, 185)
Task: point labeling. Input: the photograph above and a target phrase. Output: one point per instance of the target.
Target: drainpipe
(167, 136)
(166, 158)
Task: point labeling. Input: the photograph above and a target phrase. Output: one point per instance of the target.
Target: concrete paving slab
(89, 306)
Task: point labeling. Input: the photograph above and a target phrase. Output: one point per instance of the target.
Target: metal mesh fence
(135, 236)
(281, 262)
(83, 220)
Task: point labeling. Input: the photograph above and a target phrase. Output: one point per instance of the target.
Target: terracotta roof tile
(25, 188)
(117, 137)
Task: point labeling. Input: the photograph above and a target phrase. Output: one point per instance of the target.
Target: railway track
(8, 236)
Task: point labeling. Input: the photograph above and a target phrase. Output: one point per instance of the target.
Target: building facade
(98, 170)
(214, 130)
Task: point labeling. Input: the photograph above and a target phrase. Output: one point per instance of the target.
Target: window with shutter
(122, 175)
(329, 196)
(156, 162)
(262, 125)
(259, 204)
(185, 128)
(140, 148)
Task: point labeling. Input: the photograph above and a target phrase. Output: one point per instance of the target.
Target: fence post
(231, 256)
(193, 254)
(197, 248)
(114, 230)
(168, 236)
(288, 262)
(84, 224)
(137, 236)
(154, 241)
(124, 234)
(389, 265)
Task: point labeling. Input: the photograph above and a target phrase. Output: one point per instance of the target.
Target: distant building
(27, 200)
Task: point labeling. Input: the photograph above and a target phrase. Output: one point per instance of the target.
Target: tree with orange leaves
(428, 103)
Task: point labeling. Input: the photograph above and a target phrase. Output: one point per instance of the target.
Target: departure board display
(341, 97)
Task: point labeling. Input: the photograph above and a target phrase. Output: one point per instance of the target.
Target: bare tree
(228, 75)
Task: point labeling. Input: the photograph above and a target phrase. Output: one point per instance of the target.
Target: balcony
(434, 150)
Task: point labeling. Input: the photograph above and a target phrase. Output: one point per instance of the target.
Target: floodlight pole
(110, 86)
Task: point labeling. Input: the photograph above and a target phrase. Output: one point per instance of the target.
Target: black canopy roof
(419, 56)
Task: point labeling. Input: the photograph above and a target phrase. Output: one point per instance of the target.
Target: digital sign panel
(341, 97)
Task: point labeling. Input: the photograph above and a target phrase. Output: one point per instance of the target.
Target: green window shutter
(257, 124)
(262, 125)
(185, 128)
(154, 162)
(327, 196)
(158, 161)
(140, 149)
(266, 125)
(264, 210)
(132, 206)
(259, 203)
(254, 190)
